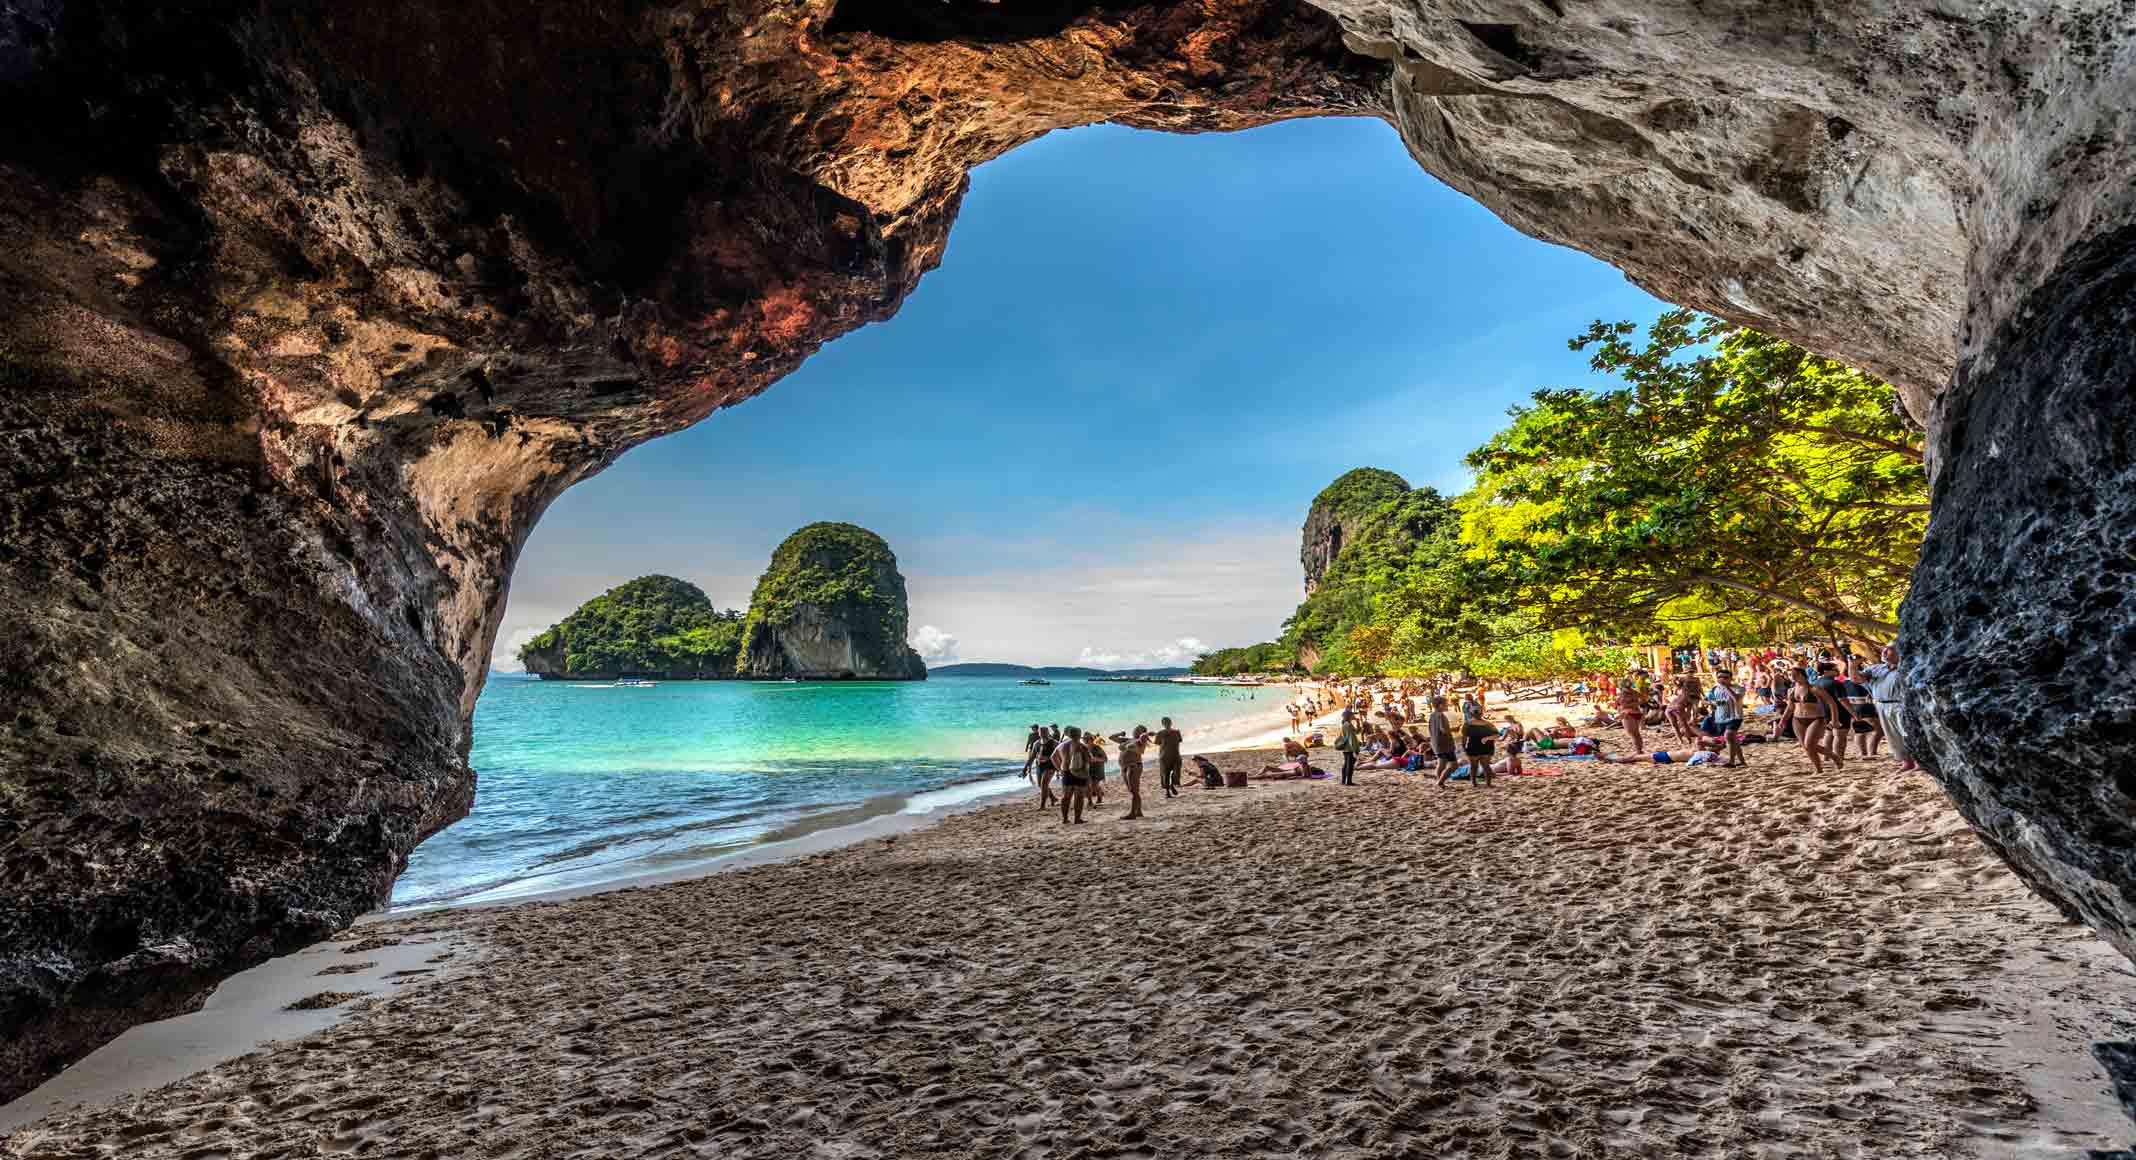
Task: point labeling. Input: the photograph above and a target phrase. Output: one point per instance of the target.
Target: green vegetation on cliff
(835, 572)
(650, 624)
(1361, 491)
(1737, 490)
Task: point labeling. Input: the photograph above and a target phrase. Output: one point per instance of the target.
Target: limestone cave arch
(307, 311)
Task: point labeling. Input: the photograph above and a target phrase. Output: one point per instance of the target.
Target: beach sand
(1615, 961)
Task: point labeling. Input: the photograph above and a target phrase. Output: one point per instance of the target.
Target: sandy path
(1621, 961)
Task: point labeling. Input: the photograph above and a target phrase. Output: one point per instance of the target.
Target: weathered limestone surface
(307, 311)
(1336, 516)
(831, 605)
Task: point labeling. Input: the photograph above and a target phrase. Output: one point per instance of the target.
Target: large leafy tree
(1734, 479)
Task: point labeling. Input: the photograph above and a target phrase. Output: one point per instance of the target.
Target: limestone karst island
(830, 606)
(1513, 578)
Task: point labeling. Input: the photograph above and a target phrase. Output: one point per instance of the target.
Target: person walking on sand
(1346, 744)
(1861, 706)
(1038, 760)
(1131, 747)
(1442, 740)
(1479, 738)
(1812, 711)
(1887, 688)
(1072, 762)
(1724, 714)
(1168, 759)
(1094, 771)
(1631, 711)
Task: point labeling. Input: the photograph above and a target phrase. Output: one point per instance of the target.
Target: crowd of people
(1074, 758)
(1832, 704)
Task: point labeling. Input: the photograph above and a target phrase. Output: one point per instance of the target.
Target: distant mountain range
(983, 669)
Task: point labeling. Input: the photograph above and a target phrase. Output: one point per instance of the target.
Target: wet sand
(1615, 961)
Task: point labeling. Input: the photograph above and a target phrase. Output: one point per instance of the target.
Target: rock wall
(831, 606)
(1337, 514)
(307, 311)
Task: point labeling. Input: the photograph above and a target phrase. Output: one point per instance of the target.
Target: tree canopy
(650, 624)
(1736, 490)
(1751, 483)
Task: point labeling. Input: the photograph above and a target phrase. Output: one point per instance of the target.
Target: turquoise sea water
(580, 784)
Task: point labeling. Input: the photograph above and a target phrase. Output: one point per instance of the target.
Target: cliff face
(308, 311)
(831, 605)
(1338, 513)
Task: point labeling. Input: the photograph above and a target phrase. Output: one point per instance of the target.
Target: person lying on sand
(1708, 752)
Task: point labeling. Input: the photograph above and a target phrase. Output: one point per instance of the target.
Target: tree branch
(1913, 453)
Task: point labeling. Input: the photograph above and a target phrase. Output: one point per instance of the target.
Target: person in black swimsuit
(1074, 765)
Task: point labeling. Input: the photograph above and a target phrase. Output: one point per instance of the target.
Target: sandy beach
(1612, 961)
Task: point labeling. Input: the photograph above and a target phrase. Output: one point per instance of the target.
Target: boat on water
(634, 683)
(1034, 681)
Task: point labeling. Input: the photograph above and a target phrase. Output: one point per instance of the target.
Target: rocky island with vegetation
(651, 626)
(830, 607)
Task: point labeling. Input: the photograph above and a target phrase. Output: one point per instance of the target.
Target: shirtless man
(1073, 764)
(1168, 760)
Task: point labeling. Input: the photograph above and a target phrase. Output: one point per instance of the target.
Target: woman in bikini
(1682, 708)
(1631, 711)
(1131, 767)
(1812, 710)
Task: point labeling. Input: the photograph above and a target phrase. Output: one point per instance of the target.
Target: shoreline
(1224, 735)
(1697, 962)
(153, 1054)
(2047, 1097)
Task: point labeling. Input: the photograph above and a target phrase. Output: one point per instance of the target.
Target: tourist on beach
(1707, 752)
(1038, 757)
(1861, 706)
(1515, 737)
(1812, 711)
(1346, 744)
(1887, 688)
(1072, 762)
(1683, 702)
(1094, 788)
(1724, 714)
(1131, 747)
(1478, 740)
(1168, 759)
(1827, 677)
(1631, 711)
(1442, 739)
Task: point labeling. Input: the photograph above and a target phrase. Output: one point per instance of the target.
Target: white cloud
(934, 646)
(1172, 654)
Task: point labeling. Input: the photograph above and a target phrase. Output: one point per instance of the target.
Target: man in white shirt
(1888, 689)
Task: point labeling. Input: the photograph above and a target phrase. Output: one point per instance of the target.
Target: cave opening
(288, 382)
(1157, 328)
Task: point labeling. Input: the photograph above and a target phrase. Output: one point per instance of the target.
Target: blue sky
(1092, 434)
